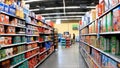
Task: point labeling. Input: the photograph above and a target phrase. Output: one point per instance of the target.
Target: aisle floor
(65, 58)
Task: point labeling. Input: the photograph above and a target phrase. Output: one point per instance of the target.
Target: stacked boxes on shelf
(19, 46)
(100, 36)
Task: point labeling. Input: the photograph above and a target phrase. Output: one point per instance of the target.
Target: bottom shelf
(84, 59)
(43, 60)
(89, 60)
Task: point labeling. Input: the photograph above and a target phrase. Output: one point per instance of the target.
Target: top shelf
(102, 15)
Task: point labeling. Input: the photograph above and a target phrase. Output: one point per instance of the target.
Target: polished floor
(65, 58)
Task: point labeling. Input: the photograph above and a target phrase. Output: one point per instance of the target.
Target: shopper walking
(73, 38)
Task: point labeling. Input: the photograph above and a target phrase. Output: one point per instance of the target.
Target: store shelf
(43, 60)
(91, 34)
(12, 34)
(101, 15)
(32, 24)
(85, 60)
(24, 61)
(86, 25)
(106, 33)
(91, 58)
(31, 29)
(33, 35)
(44, 51)
(13, 25)
(32, 42)
(4, 46)
(17, 54)
(45, 33)
(11, 15)
(114, 57)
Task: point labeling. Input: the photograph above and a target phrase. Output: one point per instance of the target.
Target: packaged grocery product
(2, 53)
(10, 30)
(107, 5)
(2, 6)
(116, 20)
(109, 22)
(113, 44)
(9, 52)
(112, 63)
(5, 64)
(2, 40)
(2, 29)
(113, 3)
(104, 23)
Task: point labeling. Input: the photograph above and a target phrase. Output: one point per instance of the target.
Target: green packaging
(113, 44)
(104, 23)
(109, 22)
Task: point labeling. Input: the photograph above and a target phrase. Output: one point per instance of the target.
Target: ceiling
(62, 9)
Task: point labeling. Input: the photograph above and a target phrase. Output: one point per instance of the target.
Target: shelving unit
(20, 42)
(99, 40)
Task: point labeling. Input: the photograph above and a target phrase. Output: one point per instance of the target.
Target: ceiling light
(67, 7)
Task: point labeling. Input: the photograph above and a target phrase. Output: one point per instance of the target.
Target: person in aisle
(73, 38)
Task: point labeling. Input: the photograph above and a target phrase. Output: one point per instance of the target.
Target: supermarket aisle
(65, 58)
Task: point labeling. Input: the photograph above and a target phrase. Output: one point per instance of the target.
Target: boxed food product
(112, 63)
(16, 39)
(6, 8)
(2, 18)
(105, 61)
(2, 29)
(12, 10)
(116, 20)
(104, 23)
(6, 19)
(113, 44)
(10, 30)
(2, 53)
(109, 22)
(2, 40)
(15, 50)
(9, 51)
(5, 64)
(7, 40)
(113, 3)
(107, 5)
(2, 6)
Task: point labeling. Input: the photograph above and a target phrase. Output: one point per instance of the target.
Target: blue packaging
(12, 10)
(6, 8)
(2, 6)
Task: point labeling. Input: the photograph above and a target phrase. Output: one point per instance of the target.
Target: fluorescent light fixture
(46, 14)
(68, 19)
(28, 1)
(67, 7)
(58, 21)
(65, 17)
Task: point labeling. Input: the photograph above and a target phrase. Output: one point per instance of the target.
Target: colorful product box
(107, 5)
(9, 52)
(116, 20)
(112, 63)
(113, 44)
(113, 3)
(5, 64)
(104, 23)
(109, 22)
(10, 30)
(2, 6)
(2, 29)
(2, 53)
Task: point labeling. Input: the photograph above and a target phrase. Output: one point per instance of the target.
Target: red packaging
(10, 30)
(2, 29)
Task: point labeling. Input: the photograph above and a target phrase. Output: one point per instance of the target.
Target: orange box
(6, 20)
(2, 17)
(10, 30)
(2, 29)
